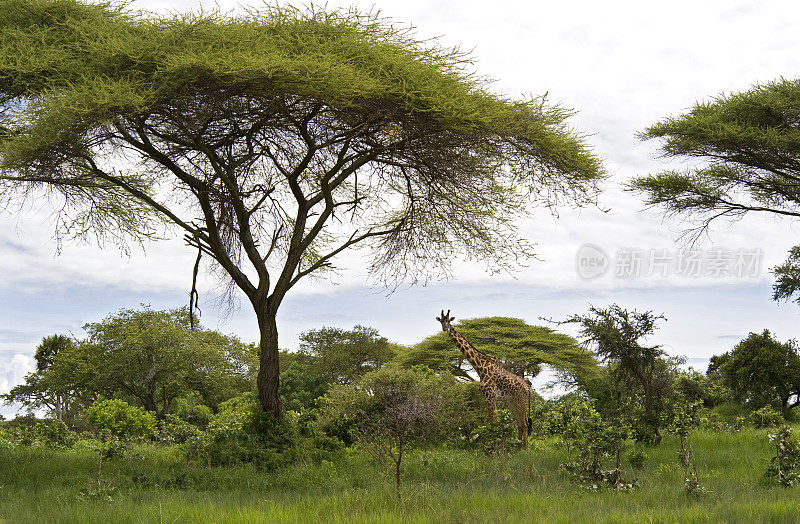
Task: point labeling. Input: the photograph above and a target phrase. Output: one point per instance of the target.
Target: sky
(621, 66)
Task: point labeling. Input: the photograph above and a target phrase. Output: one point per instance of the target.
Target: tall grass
(155, 484)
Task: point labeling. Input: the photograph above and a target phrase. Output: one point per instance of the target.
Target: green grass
(154, 484)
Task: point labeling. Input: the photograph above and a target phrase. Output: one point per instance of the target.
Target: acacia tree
(638, 371)
(275, 140)
(521, 347)
(747, 146)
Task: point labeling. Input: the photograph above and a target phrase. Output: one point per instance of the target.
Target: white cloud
(12, 372)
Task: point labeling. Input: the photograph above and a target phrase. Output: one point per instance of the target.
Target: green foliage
(593, 439)
(787, 277)
(176, 430)
(41, 390)
(391, 409)
(693, 385)
(192, 412)
(784, 467)
(498, 436)
(685, 418)
(242, 433)
(686, 414)
(766, 417)
(749, 145)
(637, 457)
(120, 419)
(342, 355)
(761, 370)
(151, 358)
(640, 373)
(49, 348)
(329, 356)
(302, 381)
(259, 126)
(29, 431)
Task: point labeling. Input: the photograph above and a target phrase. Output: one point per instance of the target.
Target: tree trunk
(149, 402)
(59, 409)
(268, 366)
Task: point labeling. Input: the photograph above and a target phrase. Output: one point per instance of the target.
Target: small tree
(784, 467)
(761, 370)
(685, 418)
(594, 438)
(636, 370)
(391, 410)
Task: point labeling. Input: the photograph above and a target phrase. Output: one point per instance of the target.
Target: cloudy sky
(621, 65)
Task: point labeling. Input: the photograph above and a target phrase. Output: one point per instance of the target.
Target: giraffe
(495, 380)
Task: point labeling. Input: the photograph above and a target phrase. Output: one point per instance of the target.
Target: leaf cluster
(270, 126)
(761, 370)
(746, 148)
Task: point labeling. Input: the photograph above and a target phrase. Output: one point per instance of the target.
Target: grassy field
(154, 484)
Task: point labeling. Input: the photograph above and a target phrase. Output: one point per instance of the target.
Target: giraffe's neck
(475, 357)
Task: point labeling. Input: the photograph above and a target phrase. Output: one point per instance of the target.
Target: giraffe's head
(445, 319)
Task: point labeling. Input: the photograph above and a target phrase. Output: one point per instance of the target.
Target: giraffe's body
(495, 380)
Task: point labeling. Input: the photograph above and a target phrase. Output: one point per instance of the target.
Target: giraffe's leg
(490, 394)
(520, 410)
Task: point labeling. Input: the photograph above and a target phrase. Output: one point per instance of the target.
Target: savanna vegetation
(373, 434)
(276, 140)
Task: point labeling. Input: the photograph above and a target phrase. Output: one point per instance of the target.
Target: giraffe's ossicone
(495, 380)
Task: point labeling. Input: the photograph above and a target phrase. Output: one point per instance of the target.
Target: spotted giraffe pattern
(495, 379)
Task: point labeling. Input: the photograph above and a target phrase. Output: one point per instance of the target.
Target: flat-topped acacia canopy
(276, 140)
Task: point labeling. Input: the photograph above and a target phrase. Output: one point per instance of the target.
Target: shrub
(638, 457)
(766, 417)
(120, 419)
(241, 432)
(496, 437)
(593, 439)
(175, 430)
(29, 431)
(784, 467)
(393, 409)
(196, 414)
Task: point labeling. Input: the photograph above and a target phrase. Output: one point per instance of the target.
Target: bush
(784, 467)
(766, 417)
(241, 432)
(29, 431)
(195, 414)
(175, 430)
(120, 419)
(638, 457)
(391, 410)
(496, 437)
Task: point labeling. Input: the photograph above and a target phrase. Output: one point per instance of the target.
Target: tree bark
(268, 366)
